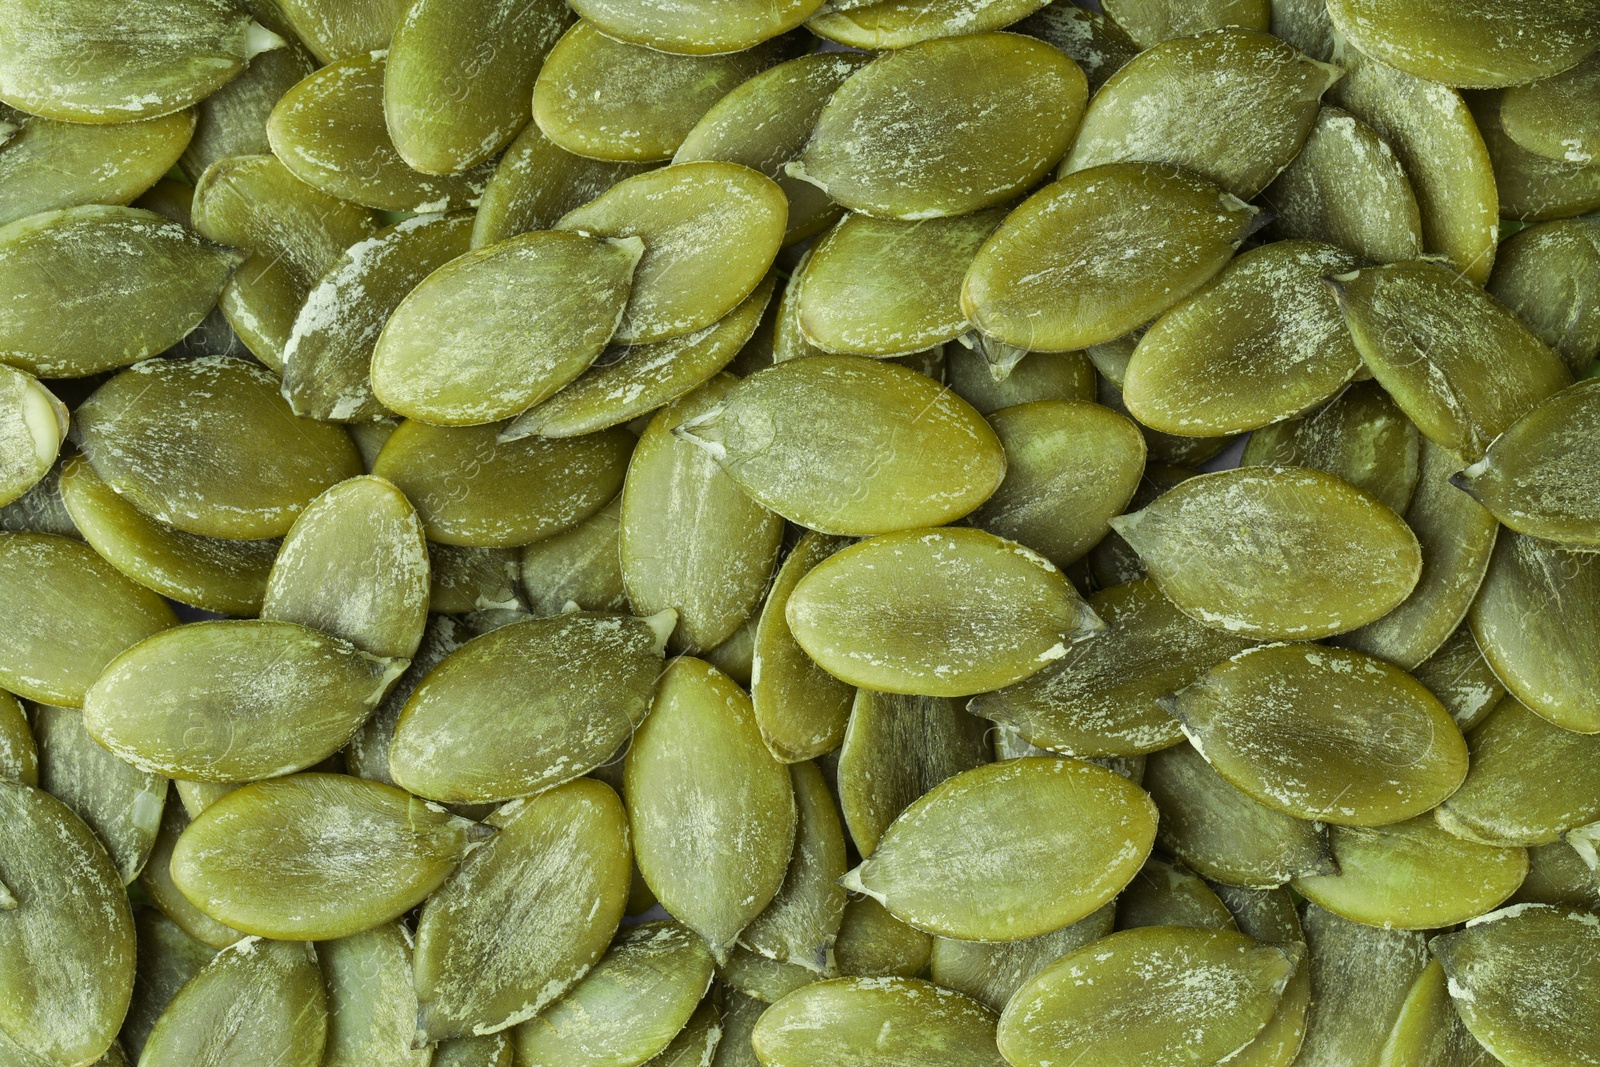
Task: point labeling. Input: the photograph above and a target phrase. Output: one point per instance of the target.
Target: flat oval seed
(1095, 42)
(582, 567)
(257, 1001)
(527, 706)
(471, 489)
(473, 579)
(40, 509)
(1529, 783)
(888, 1022)
(1149, 22)
(731, 27)
(66, 933)
(210, 446)
(1558, 875)
(335, 29)
(1429, 1032)
(697, 1042)
(459, 77)
(1259, 98)
(1269, 915)
(946, 127)
(1458, 675)
(1113, 561)
(1224, 834)
(1164, 894)
(367, 754)
(372, 1008)
(235, 700)
(1100, 252)
(19, 756)
(1346, 187)
(536, 182)
(317, 856)
(1323, 556)
(851, 446)
(637, 998)
(946, 612)
(1052, 838)
(698, 766)
(800, 924)
(526, 915)
(1355, 741)
(739, 1015)
(156, 882)
(48, 165)
(445, 357)
(1532, 187)
(991, 972)
(889, 24)
(136, 283)
(327, 359)
(56, 645)
(1100, 699)
(33, 424)
(1537, 620)
(1547, 274)
(233, 120)
(1360, 976)
(1555, 117)
(1161, 995)
(1037, 376)
(874, 944)
(767, 980)
(1526, 982)
(167, 958)
(1262, 342)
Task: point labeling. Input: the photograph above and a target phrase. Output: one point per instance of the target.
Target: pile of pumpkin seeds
(799, 533)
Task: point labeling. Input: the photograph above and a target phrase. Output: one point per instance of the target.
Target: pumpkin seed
(991, 972)
(697, 1042)
(763, 979)
(1112, 561)
(1558, 875)
(367, 755)
(371, 1005)
(40, 509)
(56, 645)
(629, 1007)
(1269, 915)
(472, 579)
(1360, 976)
(889, 24)
(1429, 1031)
(233, 120)
(1095, 42)
(1347, 187)
(33, 424)
(739, 1015)
(697, 765)
(336, 29)
(536, 182)
(526, 915)
(1525, 982)
(1038, 376)
(156, 881)
(1459, 677)
(691, 540)
(19, 756)
(166, 959)
(495, 1050)
(1554, 117)
(1111, 359)
(1164, 894)
(198, 796)
(1532, 187)
(800, 924)
(471, 489)
(946, 127)
(889, 1022)
(1547, 274)
(1149, 22)
(1223, 833)
(874, 944)
(581, 566)
(66, 932)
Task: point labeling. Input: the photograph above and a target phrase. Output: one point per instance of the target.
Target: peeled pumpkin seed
(629, 1007)
(473, 579)
(686, 31)
(765, 980)
(581, 566)
(33, 424)
(372, 1008)
(1458, 675)
(739, 1015)
(526, 915)
(472, 489)
(1269, 915)
(166, 959)
(1537, 620)
(889, 24)
(801, 922)
(991, 972)
(536, 182)
(1555, 116)
(1529, 782)
(336, 29)
(945, 127)
(1111, 360)
(691, 540)
(235, 700)
(1037, 376)
(256, 1001)
(55, 646)
(1548, 274)
(1100, 252)
(1525, 982)
(1112, 561)
(40, 509)
(1164, 894)
(66, 932)
(367, 754)
(1429, 1031)
(327, 359)
(1275, 552)
(1258, 95)
(1360, 977)
(698, 765)
(1275, 345)
(233, 120)
(156, 882)
(1149, 22)
(1224, 834)
(697, 1042)
(19, 757)
(1095, 42)
(1532, 187)
(1558, 875)
(888, 1022)
(1158, 996)
(874, 944)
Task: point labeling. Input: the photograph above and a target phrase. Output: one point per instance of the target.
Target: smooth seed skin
(897, 1022)
(688, 31)
(1429, 1030)
(372, 1008)
(890, 24)
(1528, 279)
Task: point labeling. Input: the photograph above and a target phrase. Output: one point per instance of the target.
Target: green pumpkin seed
(1111, 359)
(371, 1005)
(739, 1015)
(526, 915)
(1545, 274)
(763, 979)
(691, 540)
(40, 509)
(66, 932)
(19, 756)
(156, 881)
(1038, 376)
(494, 1050)
(33, 424)
(472, 579)
(1023, 838)
(55, 646)
(1555, 117)
(991, 972)
(889, 24)
(697, 765)
(1149, 22)
(233, 120)
(1163, 894)
(1537, 621)
(629, 1007)
(327, 359)
(1472, 44)
(370, 437)
(888, 1022)
(629, 382)
(946, 127)
(874, 944)
(166, 959)
(1224, 834)
(1525, 981)
(1530, 781)
(800, 924)
(582, 567)
(1323, 557)
(1259, 95)
(294, 233)
(136, 283)
(235, 700)
(1429, 1031)
(198, 796)
(536, 182)
(367, 755)
(1458, 675)
(1558, 875)
(1360, 976)
(48, 165)
(1355, 741)
(1269, 915)
(255, 1002)
(459, 78)
(336, 29)
(1262, 342)
(1532, 187)
(471, 489)
(1113, 561)
(1096, 43)
(696, 1044)
(1158, 995)
(1347, 187)
(1100, 252)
